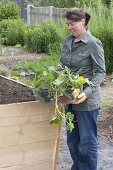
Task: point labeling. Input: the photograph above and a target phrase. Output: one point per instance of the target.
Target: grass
(3, 71)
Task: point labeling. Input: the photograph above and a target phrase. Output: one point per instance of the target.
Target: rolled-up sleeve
(98, 66)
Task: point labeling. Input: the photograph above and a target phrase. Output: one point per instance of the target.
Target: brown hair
(77, 14)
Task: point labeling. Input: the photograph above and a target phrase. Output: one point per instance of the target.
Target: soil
(105, 121)
(15, 92)
(12, 55)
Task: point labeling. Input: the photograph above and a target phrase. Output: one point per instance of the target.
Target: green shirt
(87, 54)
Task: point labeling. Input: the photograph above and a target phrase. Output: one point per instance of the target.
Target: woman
(83, 50)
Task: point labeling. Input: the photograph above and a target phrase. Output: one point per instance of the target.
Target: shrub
(52, 37)
(34, 38)
(101, 26)
(0, 43)
(42, 38)
(8, 10)
(65, 4)
(12, 31)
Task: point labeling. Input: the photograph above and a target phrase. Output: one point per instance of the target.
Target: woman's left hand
(81, 98)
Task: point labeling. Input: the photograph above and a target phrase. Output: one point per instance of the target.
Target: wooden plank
(19, 120)
(22, 129)
(41, 165)
(39, 151)
(39, 134)
(25, 109)
(10, 130)
(27, 153)
(11, 156)
(42, 134)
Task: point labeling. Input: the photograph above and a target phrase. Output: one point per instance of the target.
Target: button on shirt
(88, 55)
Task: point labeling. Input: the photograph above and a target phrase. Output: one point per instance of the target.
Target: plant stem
(57, 110)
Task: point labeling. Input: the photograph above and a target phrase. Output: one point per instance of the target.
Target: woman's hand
(81, 98)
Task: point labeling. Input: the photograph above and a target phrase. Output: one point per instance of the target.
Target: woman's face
(76, 28)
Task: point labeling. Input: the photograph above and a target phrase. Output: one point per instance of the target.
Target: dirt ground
(105, 121)
(12, 55)
(13, 92)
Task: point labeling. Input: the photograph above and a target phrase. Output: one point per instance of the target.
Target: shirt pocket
(77, 60)
(81, 60)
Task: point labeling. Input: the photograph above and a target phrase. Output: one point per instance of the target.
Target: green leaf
(59, 81)
(51, 68)
(55, 69)
(69, 116)
(70, 127)
(67, 69)
(55, 120)
(24, 73)
(31, 72)
(45, 73)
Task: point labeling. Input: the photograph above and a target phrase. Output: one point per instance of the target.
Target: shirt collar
(84, 38)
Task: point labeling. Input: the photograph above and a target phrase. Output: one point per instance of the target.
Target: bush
(0, 43)
(8, 10)
(52, 37)
(101, 26)
(65, 3)
(42, 38)
(12, 31)
(34, 38)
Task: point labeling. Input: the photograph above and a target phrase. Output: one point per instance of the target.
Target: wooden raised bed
(27, 140)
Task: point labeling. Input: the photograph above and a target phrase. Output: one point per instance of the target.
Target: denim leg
(73, 140)
(87, 147)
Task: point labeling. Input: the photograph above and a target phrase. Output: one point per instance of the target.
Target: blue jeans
(82, 141)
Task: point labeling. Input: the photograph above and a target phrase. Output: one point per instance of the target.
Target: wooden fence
(38, 14)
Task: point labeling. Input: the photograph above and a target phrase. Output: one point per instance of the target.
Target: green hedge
(0, 43)
(9, 10)
(42, 38)
(34, 38)
(65, 3)
(102, 27)
(52, 36)
(12, 31)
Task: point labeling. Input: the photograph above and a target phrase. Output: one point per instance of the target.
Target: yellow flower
(81, 78)
(76, 92)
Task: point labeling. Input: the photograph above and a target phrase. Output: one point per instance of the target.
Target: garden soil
(13, 92)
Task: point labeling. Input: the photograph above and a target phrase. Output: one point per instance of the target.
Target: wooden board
(27, 140)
